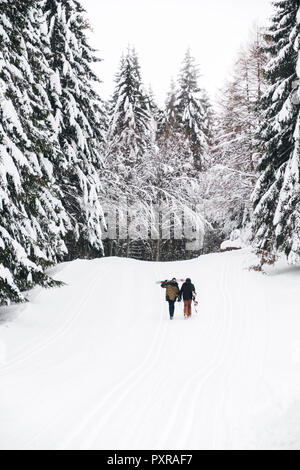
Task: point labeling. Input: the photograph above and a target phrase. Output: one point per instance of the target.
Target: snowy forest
(75, 168)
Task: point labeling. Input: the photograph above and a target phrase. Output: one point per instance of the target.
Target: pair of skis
(177, 280)
(195, 303)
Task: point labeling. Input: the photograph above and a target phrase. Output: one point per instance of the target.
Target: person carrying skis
(172, 293)
(188, 293)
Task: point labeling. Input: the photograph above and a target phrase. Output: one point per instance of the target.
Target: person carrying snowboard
(188, 293)
(172, 293)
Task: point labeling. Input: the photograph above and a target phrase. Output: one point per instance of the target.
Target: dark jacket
(172, 290)
(187, 290)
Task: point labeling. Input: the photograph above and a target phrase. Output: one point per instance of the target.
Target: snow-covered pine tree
(130, 135)
(156, 112)
(232, 175)
(79, 118)
(130, 115)
(276, 199)
(192, 109)
(171, 118)
(172, 183)
(32, 219)
(209, 121)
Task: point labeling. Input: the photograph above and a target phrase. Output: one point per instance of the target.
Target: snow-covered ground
(98, 365)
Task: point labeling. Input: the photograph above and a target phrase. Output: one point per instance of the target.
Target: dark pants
(171, 307)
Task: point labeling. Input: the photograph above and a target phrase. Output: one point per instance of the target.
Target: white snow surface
(97, 364)
(238, 239)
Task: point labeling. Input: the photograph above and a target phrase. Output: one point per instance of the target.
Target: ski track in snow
(99, 365)
(42, 341)
(98, 419)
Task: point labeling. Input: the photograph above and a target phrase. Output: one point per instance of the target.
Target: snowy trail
(97, 364)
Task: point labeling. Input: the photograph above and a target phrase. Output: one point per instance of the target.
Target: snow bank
(238, 239)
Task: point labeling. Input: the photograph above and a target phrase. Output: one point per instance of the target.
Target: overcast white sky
(162, 30)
